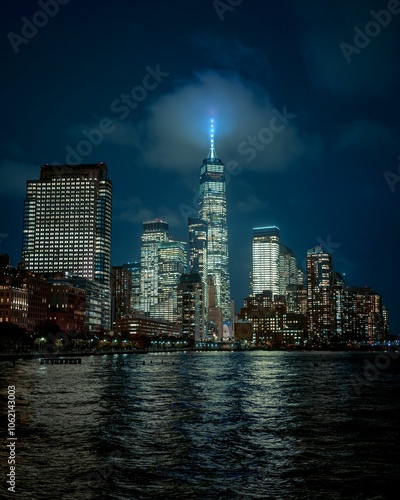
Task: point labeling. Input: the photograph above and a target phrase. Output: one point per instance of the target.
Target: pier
(60, 361)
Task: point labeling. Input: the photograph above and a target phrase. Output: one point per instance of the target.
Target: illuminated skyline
(309, 138)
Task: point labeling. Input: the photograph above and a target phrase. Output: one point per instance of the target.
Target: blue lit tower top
(212, 154)
(212, 210)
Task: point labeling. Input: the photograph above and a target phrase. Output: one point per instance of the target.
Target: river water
(207, 425)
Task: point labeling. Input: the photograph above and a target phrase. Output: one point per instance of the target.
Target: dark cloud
(178, 126)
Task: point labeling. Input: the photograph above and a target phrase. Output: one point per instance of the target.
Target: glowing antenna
(212, 154)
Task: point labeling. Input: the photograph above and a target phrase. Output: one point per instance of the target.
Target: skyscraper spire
(212, 153)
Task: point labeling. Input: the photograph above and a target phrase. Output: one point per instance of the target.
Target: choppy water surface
(206, 425)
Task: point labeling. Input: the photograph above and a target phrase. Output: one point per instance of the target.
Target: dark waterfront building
(23, 297)
(13, 297)
(363, 315)
(271, 322)
(140, 324)
(191, 306)
(66, 306)
(214, 320)
(121, 291)
(38, 289)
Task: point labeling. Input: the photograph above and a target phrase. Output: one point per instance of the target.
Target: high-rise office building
(197, 246)
(266, 250)
(67, 222)
(320, 304)
(214, 321)
(163, 260)
(212, 210)
(154, 232)
(289, 269)
(172, 257)
(67, 228)
(338, 293)
(134, 268)
(197, 263)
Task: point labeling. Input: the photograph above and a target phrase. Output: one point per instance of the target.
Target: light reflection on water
(205, 425)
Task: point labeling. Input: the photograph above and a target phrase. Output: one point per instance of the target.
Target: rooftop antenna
(212, 154)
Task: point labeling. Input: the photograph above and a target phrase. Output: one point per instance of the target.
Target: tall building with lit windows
(320, 303)
(163, 261)
(197, 247)
(134, 269)
(266, 251)
(155, 231)
(67, 222)
(67, 229)
(121, 292)
(212, 210)
(289, 270)
(172, 257)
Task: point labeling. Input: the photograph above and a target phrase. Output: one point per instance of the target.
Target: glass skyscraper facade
(289, 269)
(67, 231)
(154, 232)
(134, 268)
(163, 261)
(67, 222)
(171, 265)
(266, 250)
(212, 210)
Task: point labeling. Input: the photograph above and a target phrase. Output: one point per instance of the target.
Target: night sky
(307, 120)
